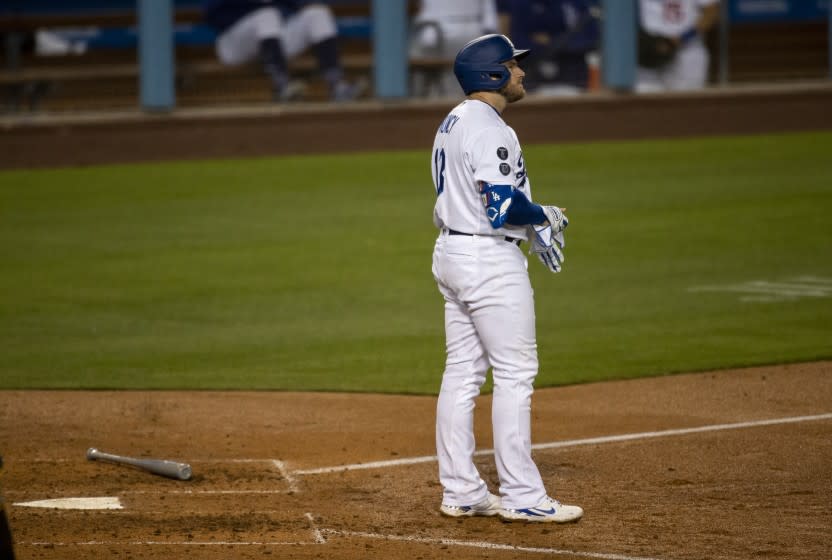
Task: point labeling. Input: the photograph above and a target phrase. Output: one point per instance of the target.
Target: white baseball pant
(489, 322)
(240, 43)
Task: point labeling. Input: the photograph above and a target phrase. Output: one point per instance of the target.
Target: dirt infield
(731, 464)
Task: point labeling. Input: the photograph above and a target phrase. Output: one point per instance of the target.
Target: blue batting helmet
(479, 64)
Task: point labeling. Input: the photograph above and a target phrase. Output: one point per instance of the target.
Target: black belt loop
(507, 238)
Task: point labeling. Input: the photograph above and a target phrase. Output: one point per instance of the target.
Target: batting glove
(556, 218)
(548, 246)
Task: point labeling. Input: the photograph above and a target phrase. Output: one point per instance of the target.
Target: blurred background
(93, 55)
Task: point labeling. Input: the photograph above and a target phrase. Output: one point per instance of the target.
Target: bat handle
(94, 454)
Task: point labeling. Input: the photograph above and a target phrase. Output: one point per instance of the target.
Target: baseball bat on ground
(170, 469)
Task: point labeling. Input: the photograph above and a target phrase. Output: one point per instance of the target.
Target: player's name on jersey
(448, 123)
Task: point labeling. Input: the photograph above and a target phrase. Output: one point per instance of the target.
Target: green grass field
(313, 273)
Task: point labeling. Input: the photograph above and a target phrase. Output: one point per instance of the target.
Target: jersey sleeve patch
(493, 154)
(497, 201)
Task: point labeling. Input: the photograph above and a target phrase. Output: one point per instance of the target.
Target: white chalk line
(684, 431)
(287, 473)
(180, 492)
(167, 543)
(210, 460)
(316, 533)
(484, 544)
(205, 492)
(319, 538)
(291, 481)
(576, 443)
(179, 511)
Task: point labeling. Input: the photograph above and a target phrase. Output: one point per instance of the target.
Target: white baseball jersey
(671, 18)
(474, 145)
(689, 68)
(461, 17)
(443, 27)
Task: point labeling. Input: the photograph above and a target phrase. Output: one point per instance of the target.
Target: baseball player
(441, 28)
(685, 23)
(273, 31)
(484, 212)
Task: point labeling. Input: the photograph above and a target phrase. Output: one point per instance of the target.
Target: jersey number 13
(439, 170)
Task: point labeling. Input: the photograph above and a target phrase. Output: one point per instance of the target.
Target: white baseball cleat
(547, 511)
(490, 506)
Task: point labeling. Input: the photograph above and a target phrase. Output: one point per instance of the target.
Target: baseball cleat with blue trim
(489, 507)
(547, 511)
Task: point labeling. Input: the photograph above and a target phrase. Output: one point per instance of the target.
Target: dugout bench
(105, 75)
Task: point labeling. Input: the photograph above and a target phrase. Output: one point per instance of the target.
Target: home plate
(106, 502)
